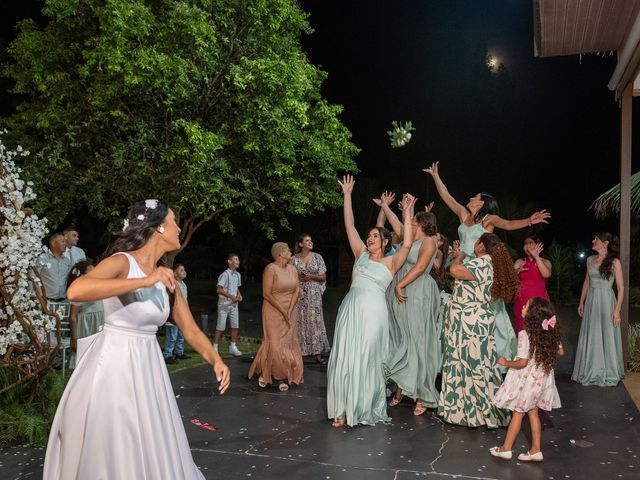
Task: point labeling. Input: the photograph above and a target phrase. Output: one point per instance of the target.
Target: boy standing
(228, 297)
(174, 339)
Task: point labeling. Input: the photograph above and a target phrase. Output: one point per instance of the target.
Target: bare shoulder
(115, 266)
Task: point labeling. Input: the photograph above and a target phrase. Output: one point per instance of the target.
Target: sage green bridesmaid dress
(414, 337)
(355, 375)
(599, 351)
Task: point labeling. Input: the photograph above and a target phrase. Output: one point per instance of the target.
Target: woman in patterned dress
(481, 215)
(469, 374)
(312, 334)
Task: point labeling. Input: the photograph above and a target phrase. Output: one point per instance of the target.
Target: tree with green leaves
(211, 105)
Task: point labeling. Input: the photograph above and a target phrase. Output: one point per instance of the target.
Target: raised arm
(198, 340)
(356, 243)
(398, 258)
(460, 210)
(543, 264)
(617, 272)
(384, 202)
(499, 222)
(108, 279)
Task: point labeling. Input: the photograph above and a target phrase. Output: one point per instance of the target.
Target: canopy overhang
(572, 27)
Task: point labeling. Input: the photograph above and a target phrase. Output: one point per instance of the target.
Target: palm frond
(609, 202)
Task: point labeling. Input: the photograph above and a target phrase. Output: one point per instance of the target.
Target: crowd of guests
(422, 319)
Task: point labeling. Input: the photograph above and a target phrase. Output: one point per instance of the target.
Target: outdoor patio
(267, 434)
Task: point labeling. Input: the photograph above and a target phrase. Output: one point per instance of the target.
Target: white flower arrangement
(400, 135)
(23, 322)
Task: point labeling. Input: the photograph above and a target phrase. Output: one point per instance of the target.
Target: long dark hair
(143, 219)
(543, 344)
(490, 207)
(613, 252)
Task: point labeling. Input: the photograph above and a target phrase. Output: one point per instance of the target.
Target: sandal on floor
(395, 401)
(261, 382)
(420, 408)
(283, 387)
(338, 422)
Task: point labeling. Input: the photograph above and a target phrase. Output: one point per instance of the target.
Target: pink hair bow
(549, 322)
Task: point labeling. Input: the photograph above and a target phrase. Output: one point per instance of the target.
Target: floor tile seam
(354, 467)
(315, 462)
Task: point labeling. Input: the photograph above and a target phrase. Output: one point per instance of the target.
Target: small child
(530, 383)
(228, 297)
(174, 346)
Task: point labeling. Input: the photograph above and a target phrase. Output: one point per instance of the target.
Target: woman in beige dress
(279, 357)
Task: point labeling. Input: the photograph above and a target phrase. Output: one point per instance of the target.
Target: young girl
(530, 383)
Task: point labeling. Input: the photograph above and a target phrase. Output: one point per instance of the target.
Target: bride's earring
(161, 229)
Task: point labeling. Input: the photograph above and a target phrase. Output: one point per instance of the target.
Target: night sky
(545, 130)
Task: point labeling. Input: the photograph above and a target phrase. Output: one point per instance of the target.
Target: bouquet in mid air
(400, 135)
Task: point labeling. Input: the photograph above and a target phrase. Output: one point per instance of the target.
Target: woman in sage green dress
(481, 215)
(414, 301)
(469, 374)
(355, 375)
(599, 351)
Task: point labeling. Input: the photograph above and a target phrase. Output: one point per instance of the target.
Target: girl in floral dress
(530, 383)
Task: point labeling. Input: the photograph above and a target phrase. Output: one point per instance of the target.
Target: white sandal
(528, 457)
(504, 455)
(261, 382)
(283, 387)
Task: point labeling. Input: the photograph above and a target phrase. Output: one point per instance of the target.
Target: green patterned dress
(469, 374)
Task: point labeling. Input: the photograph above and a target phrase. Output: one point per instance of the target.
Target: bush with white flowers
(25, 325)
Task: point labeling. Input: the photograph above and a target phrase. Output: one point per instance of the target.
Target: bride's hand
(164, 275)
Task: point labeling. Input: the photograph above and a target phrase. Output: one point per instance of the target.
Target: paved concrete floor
(267, 434)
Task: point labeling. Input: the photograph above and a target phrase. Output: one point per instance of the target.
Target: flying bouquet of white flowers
(401, 134)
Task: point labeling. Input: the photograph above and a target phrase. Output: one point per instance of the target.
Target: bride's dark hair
(143, 219)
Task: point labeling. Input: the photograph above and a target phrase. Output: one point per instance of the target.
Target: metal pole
(625, 209)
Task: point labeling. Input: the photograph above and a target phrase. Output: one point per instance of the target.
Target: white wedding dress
(118, 418)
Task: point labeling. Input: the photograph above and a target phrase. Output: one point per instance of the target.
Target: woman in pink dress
(533, 272)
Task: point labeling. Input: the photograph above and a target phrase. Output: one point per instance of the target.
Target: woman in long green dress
(481, 215)
(599, 351)
(413, 300)
(355, 375)
(470, 376)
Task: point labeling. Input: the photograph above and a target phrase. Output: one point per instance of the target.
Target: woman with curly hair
(469, 374)
(480, 215)
(599, 351)
(530, 384)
